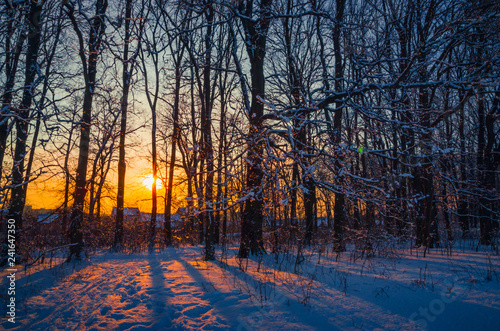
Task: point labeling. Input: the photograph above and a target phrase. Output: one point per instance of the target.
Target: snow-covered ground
(176, 290)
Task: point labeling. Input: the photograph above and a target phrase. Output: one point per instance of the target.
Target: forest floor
(176, 290)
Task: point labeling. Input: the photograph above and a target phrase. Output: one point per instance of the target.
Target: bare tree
(129, 62)
(89, 65)
(13, 47)
(18, 198)
(255, 21)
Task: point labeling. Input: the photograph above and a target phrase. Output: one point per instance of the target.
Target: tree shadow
(159, 292)
(211, 295)
(406, 299)
(30, 283)
(282, 302)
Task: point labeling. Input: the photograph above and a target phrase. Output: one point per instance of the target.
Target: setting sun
(148, 182)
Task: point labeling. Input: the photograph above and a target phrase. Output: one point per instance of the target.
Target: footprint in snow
(105, 309)
(196, 311)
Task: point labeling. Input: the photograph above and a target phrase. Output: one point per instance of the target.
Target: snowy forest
(250, 142)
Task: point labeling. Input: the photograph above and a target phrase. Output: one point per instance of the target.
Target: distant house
(46, 218)
(176, 220)
(146, 217)
(48, 225)
(129, 214)
(30, 212)
(134, 214)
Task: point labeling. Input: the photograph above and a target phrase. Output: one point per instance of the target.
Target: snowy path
(175, 290)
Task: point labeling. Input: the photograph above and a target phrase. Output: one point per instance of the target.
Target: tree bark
(206, 127)
(18, 198)
(11, 63)
(97, 29)
(255, 40)
(122, 165)
(167, 234)
(339, 208)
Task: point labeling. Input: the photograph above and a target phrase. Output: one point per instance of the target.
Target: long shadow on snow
(320, 322)
(33, 284)
(379, 274)
(199, 278)
(161, 315)
(405, 306)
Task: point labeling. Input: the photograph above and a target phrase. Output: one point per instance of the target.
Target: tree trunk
(255, 40)
(339, 208)
(463, 212)
(67, 177)
(122, 165)
(206, 127)
(97, 30)
(487, 165)
(167, 228)
(221, 162)
(11, 63)
(41, 105)
(426, 222)
(18, 199)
